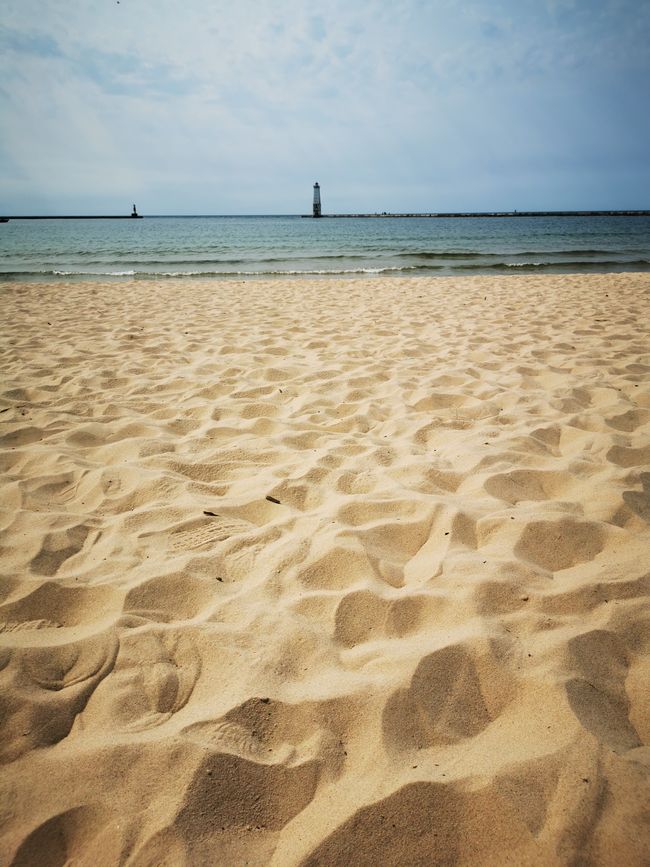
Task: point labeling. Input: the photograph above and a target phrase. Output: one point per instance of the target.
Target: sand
(326, 573)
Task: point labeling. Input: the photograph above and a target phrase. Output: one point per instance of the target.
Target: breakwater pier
(439, 215)
(74, 217)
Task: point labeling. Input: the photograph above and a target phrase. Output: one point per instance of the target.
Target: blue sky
(238, 107)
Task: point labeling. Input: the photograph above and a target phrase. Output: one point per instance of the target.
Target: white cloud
(245, 104)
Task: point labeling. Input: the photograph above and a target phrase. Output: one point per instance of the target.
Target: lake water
(156, 247)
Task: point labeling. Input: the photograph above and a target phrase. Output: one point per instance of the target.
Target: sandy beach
(346, 572)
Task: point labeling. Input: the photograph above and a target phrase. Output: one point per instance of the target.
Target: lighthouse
(316, 211)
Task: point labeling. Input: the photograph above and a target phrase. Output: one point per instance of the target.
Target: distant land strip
(387, 214)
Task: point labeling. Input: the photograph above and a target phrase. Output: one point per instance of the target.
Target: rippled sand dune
(326, 573)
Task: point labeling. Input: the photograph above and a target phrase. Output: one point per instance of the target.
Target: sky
(238, 106)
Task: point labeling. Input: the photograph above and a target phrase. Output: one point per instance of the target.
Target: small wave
(423, 268)
(204, 273)
(502, 255)
(91, 273)
(579, 264)
(286, 272)
(447, 254)
(262, 259)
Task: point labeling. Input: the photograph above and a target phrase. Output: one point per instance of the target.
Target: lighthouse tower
(317, 200)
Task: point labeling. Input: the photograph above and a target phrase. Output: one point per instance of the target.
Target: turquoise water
(157, 247)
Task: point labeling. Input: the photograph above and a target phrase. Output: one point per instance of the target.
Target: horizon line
(370, 214)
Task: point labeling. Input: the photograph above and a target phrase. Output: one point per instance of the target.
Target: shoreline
(330, 571)
(514, 271)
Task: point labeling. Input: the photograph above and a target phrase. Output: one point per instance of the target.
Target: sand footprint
(201, 534)
(623, 456)
(168, 598)
(363, 616)
(229, 796)
(261, 767)
(47, 490)
(391, 531)
(629, 421)
(153, 678)
(597, 691)
(337, 567)
(427, 823)
(450, 530)
(57, 547)
(44, 688)
(352, 482)
(557, 545)
(522, 485)
(265, 730)
(639, 501)
(82, 835)
(60, 605)
(360, 617)
(454, 694)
